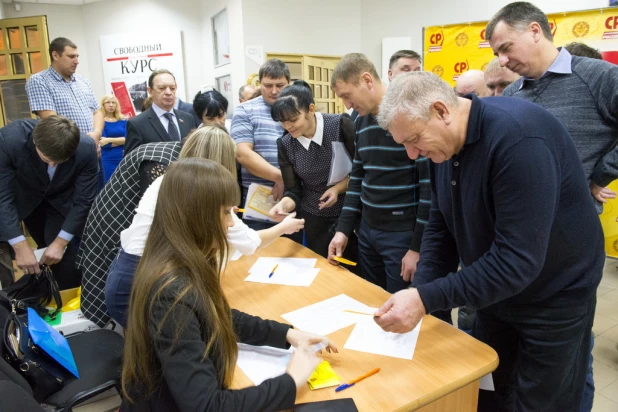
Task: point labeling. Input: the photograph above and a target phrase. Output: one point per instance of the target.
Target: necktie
(172, 130)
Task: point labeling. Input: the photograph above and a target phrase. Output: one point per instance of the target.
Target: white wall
(396, 18)
(236, 67)
(62, 21)
(329, 27)
(129, 16)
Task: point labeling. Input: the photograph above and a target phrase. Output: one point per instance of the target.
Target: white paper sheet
(38, 254)
(328, 316)
(367, 336)
(341, 164)
(262, 362)
(284, 275)
(252, 214)
(236, 255)
(268, 263)
(487, 383)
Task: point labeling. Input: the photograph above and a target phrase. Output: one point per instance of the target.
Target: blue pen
(353, 381)
(273, 271)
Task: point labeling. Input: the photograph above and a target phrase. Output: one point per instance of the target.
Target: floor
(605, 351)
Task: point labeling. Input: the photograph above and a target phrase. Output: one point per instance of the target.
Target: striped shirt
(48, 90)
(390, 191)
(253, 123)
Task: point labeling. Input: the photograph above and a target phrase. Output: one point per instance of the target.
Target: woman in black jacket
(180, 349)
(305, 160)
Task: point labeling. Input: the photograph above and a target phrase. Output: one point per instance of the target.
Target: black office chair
(98, 356)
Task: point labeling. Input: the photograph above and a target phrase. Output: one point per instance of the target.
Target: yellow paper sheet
(323, 377)
(261, 201)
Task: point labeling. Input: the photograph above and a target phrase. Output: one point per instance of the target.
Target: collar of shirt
(319, 133)
(562, 65)
(160, 112)
(58, 77)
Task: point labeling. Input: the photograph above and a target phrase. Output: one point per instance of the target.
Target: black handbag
(36, 291)
(44, 374)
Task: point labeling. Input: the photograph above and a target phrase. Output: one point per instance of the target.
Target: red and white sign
(129, 59)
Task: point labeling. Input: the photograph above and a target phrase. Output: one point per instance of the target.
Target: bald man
(498, 78)
(472, 81)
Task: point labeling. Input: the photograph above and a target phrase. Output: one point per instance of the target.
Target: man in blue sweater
(510, 199)
(388, 195)
(580, 92)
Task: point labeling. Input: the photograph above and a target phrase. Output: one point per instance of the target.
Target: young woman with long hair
(207, 142)
(180, 348)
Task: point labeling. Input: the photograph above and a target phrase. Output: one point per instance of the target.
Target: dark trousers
(319, 232)
(118, 286)
(380, 254)
(543, 351)
(44, 225)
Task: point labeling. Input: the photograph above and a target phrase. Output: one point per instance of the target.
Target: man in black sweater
(510, 199)
(388, 193)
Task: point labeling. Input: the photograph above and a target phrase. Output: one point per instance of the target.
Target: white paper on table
(341, 164)
(487, 383)
(368, 337)
(262, 362)
(268, 263)
(284, 275)
(328, 316)
(253, 214)
(236, 255)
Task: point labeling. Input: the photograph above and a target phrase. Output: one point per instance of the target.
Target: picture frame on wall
(221, 38)
(224, 86)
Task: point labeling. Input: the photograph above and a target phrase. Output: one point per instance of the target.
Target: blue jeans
(544, 355)
(380, 254)
(118, 286)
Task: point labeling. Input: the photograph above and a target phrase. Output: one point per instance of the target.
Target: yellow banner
(453, 49)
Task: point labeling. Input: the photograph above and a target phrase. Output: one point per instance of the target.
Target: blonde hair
(213, 143)
(186, 246)
(106, 98)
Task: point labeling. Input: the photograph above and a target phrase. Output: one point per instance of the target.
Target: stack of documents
(289, 271)
(262, 362)
(323, 377)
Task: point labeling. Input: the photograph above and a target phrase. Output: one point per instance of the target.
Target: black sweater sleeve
(192, 378)
(348, 133)
(292, 183)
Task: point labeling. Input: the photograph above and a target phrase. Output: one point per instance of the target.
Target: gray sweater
(586, 102)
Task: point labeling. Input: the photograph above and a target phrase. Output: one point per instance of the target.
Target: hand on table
(401, 312)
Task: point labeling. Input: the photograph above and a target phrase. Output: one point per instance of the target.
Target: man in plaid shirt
(58, 90)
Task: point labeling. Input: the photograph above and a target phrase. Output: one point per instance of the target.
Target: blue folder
(51, 341)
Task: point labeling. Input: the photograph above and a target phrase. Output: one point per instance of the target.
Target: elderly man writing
(510, 199)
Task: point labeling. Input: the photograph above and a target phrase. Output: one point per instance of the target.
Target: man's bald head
(472, 81)
(498, 78)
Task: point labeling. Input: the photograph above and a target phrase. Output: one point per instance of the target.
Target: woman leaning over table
(113, 136)
(180, 349)
(305, 157)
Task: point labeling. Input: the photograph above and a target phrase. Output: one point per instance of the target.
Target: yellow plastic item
(345, 261)
(74, 303)
(323, 377)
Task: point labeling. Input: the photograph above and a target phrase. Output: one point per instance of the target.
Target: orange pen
(360, 378)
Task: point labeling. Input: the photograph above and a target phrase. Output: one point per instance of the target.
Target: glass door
(24, 45)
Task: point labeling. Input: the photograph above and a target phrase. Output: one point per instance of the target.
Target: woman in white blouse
(208, 142)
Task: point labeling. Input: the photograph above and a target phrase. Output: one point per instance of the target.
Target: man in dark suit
(188, 108)
(161, 122)
(48, 180)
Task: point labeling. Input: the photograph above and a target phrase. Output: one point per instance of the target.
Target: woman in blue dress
(113, 137)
